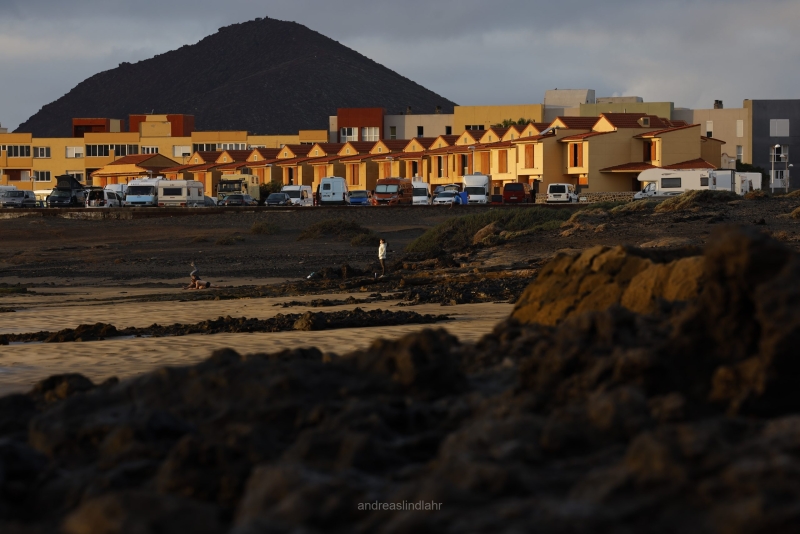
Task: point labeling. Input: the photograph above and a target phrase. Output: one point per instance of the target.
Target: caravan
(664, 183)
(180, 193)
(143, 192)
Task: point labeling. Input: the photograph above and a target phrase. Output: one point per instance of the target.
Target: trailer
(664, 183)
(238, 184)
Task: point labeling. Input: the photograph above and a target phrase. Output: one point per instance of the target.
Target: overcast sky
(473, 52)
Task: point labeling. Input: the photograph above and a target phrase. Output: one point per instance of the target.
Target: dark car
(68, 193)
(360, 198)
(278, 199)
(517, 192)
(238, 200)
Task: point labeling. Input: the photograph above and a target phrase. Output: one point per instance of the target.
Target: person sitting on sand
(196, 283)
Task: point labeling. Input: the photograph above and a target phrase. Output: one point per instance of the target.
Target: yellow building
(483, 117)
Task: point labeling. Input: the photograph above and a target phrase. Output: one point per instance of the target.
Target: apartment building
(775, 137)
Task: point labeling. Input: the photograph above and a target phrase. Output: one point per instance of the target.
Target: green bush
(457, 233)
(264, 228)
(341, 229)
(694, 200)
(366, 240)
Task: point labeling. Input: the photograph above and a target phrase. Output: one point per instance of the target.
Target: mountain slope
(265, 76)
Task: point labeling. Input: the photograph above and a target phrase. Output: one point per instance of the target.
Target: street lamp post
(472, 148)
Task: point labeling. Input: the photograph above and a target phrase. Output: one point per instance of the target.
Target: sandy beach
(48, 308)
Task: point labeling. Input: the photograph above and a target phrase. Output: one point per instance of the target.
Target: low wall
(625, 196)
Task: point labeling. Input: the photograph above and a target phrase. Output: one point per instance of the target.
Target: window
(348, 134)
(370, 133)
(576, 155)
(502, 161)
(448, 130)
(97, 151)
(172, 191)
(779, 127)
(392, 132)
(74, 152)
(439, 167)
(704, 181)
(420, 131)
(465, 164)
(179, 151)
(204, 147)
(41, 176)
(709, 128)
(125, 150)
(670, 183)
(473, 127)
(740, 128)
(149, 150)
(779, 154)
(739, 153)
(18, 151)
(529, 154)
(41, 152)
(78, 175)
(228, 146)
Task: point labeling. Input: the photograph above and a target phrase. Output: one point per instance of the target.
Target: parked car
(445, 197)
(18, 199)
(102, 198)
(516, 193)
(360, 198)
(279, 199)
(561, 193)
(209, 202)
(300, 194)
(68, 193)
(237, 200)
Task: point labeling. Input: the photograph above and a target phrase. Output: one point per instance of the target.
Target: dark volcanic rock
(681, 420)
(306, 75)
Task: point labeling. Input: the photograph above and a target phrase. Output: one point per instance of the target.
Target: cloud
(471, 51)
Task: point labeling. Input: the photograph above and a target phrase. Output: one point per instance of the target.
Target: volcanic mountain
(266, 76)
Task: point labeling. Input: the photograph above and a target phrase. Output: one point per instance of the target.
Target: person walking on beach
(382, 256)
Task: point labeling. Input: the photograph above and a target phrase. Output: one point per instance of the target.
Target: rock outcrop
(684, 419)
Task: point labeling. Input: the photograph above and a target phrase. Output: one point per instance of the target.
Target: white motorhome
(662, 183)
(333, 190)
(143, 192)
(180, 193)
(300, 194)
(119, 189)
(421, 193)
(477, 188)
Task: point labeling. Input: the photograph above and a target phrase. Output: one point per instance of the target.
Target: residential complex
(597, 144)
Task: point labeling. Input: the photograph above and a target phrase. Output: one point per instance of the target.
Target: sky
(474, 52)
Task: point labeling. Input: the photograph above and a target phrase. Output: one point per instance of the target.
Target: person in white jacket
(382, 256)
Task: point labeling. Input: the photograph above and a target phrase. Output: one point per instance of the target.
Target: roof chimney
(408, 110)
(438, 110)
(717, 104)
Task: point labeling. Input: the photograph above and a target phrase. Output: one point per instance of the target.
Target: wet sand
(51, 308)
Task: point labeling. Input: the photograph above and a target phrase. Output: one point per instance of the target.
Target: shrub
(264, 228)
(756, 194)
(341, 229)
(637, 206)
(457, 232)
(793, 194)
(366, 240)
(608, 204)
(694, 200)
(795, 214)
(229, 240)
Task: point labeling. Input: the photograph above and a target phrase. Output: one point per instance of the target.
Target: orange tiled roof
(362, 146)
(500, 131)
(238, 155)
(132, 160)
(267, 153)
(579, 137)
(578, 123)
(327, 147)
(449, 139)
(666, 130)
(397, 144)
(698, 163)
(635, 166)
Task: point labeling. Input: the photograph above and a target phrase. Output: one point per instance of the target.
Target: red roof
(267, 153)
(292, 161)
(328, 148)
(579, 137)
(395, 144)
(499, 131)
(698, 163)
(475, 134)
(204, 167)
(362, 146)
(357, 158)
(179, 168)
(530, 138)
(262, 162)
(578, 123)
(666, 130)
(324, 159)
(629, 167)
(449, 139)
(233, 166)
(210, 156)
(238, 155)
(133, 160)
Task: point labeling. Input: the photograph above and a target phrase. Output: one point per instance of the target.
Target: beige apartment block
(734, 126)
(405, 127)
(483, 117)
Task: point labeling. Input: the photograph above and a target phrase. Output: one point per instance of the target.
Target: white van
(477, 188)
(300, 194)
(119, 189)
(561, 193)
(421, 195)
(333, 190)
(180, 193)
(143, 192)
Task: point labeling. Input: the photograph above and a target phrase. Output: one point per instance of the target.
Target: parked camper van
(421, 193)
(300, 194)
(238, 184)
(180, 193)
(143, 192)
(477, 188)
(662, 183)
(333, 190)
(68, 193)
(392, 191)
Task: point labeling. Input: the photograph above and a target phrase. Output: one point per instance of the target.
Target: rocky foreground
(630, 391)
